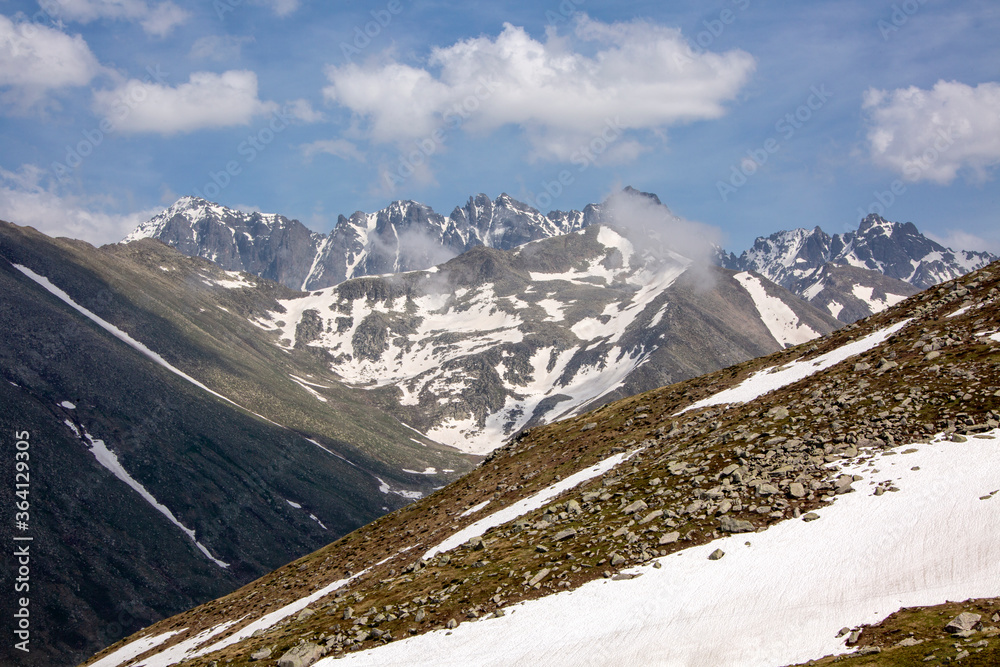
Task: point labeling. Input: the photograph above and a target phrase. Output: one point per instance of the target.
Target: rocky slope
(176, 453)
(801, 492)
(494, 341)
(798, 259)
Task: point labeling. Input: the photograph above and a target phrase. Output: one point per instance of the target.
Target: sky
(742, 115)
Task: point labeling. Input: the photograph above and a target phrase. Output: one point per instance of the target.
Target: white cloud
(207, 100)
(302, 110)
(29, 198)
(562, 92)
(219, 47)
(933, 134)
(157, 19)
(35, 59)
(337, 147)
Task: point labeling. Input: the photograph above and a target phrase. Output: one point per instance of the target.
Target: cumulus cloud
(341, 148)
(957, 239)
(29, 197)
(36, 59)
(159, 19)
(656, 230)
(561, 91)
(207, 100)
(934, 134)
(219, 47)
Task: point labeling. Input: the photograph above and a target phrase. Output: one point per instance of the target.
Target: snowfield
(779, 600)
(770, 379)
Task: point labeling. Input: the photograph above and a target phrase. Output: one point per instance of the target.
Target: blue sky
(740, 114)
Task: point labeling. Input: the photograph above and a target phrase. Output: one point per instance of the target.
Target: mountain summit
(404, 236)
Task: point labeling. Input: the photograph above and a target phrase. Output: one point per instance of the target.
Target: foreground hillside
(176, 453)
(744, 517)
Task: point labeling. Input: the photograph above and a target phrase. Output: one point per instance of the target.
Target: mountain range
(894, 260)
(835, 497)
(243, 422)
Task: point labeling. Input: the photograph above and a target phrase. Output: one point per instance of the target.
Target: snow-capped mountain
(836, 497)
(493, 341)
(797, 260)
(404, 236)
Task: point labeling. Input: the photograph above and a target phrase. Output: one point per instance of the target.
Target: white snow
(526, 505)
(866, 294)
(962, 311)
(121, 335)
(133, 649)
(295, 505)
(835, 308)
(384, 487)
(67, 405)
(181, 650)
(770, 379)
(308, 386)
(780, 320)
(780, 600)
(236, 281)
(430, 470)
(475, 508)
(109, 460)
(262, 623)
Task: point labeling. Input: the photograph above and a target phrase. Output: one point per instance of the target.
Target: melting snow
(475, 508)
(780, 320)
(866, 557)
(877, 305)
(136, 648)
(770, 379)
(124, 337)
(526, 505)
(109, 460)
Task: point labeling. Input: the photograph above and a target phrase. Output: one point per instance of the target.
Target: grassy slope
(835, 413)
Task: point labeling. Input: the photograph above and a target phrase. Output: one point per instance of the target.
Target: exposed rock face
(492, 342)
(404, 236)
(887, 257)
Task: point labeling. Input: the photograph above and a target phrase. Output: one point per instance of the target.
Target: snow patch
(526, 505)
(865, 558)
(780, 320)
(109, 460)
(475, 508)
(770, 379)
(67, 405)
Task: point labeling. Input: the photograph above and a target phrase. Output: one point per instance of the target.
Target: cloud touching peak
(207, 100)
(562, 92)
(933, 134)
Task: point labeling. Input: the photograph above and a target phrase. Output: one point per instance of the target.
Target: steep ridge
(492, 342)
(404, 236)
(175, 452)
(823, 486)
(798, 259)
